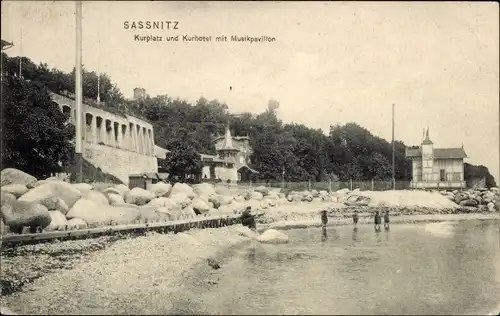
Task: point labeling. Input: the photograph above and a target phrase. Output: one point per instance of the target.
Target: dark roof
(6, 44)
(250, 169)
(439, 153)
(228, 142)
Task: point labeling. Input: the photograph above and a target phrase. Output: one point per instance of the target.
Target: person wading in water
(324, 218)
(378, 220)
(355, 217)
(386, 219)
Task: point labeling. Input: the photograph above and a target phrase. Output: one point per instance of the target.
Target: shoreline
(190, 249)
(364, 220)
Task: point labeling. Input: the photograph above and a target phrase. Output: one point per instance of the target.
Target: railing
(371, 185)
(200, 222)
(438, 185)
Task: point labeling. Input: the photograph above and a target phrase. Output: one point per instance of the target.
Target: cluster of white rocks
(483, 199)
(51, 204)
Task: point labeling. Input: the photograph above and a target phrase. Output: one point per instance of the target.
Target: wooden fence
(371, 185)
(163, 227)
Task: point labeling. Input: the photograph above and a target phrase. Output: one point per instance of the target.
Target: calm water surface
(443, 268)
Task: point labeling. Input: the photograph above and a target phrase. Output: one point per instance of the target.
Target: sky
(331, 62)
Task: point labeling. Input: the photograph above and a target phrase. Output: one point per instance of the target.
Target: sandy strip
(107, 282)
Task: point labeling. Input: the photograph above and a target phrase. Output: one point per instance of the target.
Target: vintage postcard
(250, 157)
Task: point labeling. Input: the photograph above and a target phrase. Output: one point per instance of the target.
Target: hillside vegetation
(36, 135)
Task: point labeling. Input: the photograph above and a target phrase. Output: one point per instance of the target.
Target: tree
(183, 159)
(36, 137)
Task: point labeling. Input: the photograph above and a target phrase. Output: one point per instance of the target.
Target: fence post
(350, 184)
(330, 185)
(309, 185)
(373, 187)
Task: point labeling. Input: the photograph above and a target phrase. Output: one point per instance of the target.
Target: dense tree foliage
(35, 135)
(472, 172)
(346, 152)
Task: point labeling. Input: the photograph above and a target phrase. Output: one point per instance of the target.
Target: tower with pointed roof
(427, 157)
(436, 168)
(227, 151)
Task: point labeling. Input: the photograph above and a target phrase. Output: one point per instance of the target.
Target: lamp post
(78, 92)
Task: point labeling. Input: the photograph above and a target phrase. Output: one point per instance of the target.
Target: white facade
(436, 167)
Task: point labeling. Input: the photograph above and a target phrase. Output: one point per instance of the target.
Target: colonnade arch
(106, 131)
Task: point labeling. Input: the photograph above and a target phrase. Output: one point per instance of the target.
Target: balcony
(441, 185)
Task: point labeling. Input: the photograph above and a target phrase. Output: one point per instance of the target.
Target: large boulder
(469, 202)
(15, 176)
(342, 191)
(200, 206)
(357, 200)
(161, 189)
(158, 202)
(58, 222)
(256, 196)
(77, 223)
(491, 207)
(239, 199)
(97, 197)
(219, 200)
(188, 212)
(153, 214)
(183, 188)
(273, 236)
(181, 199)
(59, 189)
(139, 196)
(100, 215)
(83, 187)
(6, 197)
(115, 199)
(15, 189)
(120, 189)
(272, 196)
(247, 232)
(172, 205)
(262, 190)
(462, 196)
(225, 209)
(19, 214)
(254, 205)
(204, 189)
(307, 198)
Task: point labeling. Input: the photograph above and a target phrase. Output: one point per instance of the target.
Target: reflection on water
(404, 270)
(324, 235)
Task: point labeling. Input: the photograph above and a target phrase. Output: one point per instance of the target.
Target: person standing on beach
(386, 219)
(248, 219)
(378, 220)
(355, 217)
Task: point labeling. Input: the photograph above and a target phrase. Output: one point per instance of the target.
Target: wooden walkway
(8, 241)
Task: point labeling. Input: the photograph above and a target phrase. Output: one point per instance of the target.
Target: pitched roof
(439, 153)
(6, 44)
(251, 170)
(427, 140)
(227, 144)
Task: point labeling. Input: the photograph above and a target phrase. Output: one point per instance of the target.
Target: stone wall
(119, 145)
